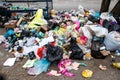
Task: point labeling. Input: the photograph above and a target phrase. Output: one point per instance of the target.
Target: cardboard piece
(29, 63)
(9, 62)
(11, 24)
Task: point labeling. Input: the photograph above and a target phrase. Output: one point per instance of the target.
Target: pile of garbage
(81, 35)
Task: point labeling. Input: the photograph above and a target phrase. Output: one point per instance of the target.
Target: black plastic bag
(31, 55)
(97, 55)
(76, 50)
(116, 27)
(54, 53)
(111, 26)
(117, 19)
(95, 50)
(26, 33)
(93, 19)
(100, 39)
(51, 25)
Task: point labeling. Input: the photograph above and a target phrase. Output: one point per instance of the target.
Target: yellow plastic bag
(87, 73)
(38, 19)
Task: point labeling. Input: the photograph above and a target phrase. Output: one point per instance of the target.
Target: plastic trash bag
(112, 41)
(40, 52)
(54, 53)
(111, 26)
(107, 16)
(51, 25)
(85, 32)
(93, 19)
(39, 67)
(81, 9)
(2, 39)
(64, 67)
(77, 25)
(9, 33)
(31, 55)
(93, 13)
(82, 40)
(76, 50)
(38, 20)
(99, 31)
(97, 48)
(104, 16)
(100, 39)
(97, 15)
(30, 41)
(87, 73)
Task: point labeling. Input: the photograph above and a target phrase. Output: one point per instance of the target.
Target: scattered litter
(39, 67)
(87, 56)
(29, 63)
(113, 58)
(116, 65)
(9, 62)
(82, 35)
(87, 73)
(102, 67)
(75, 65)
(53, 73)
(83, 64)
(117, 52)
(64, 66)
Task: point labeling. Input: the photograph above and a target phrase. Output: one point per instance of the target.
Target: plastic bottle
(116, 65)
(82, 64)
(118, 52)
(113, 58)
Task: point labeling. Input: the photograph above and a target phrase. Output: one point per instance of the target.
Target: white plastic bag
(99, 31)
(104, 16)
(112, 41)
(107, 16)
(81, 9)
(2, 39)
(86, 32)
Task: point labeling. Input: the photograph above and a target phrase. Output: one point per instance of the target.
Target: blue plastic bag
(39, 67)
(9, 33)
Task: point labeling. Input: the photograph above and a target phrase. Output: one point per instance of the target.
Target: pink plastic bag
(83, 39)
(77, 25)
(63, 67)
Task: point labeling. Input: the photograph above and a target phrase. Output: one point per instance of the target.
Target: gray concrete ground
(70, 4)
(73, 4)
